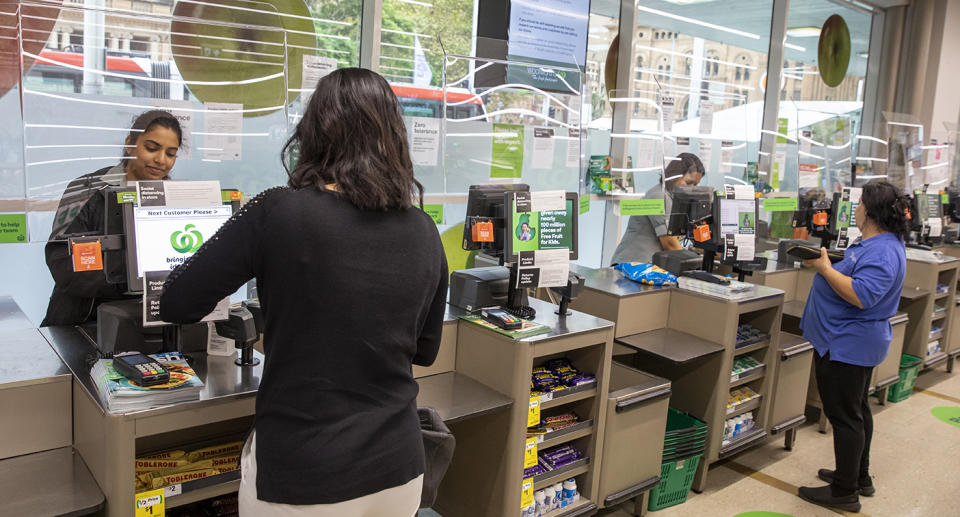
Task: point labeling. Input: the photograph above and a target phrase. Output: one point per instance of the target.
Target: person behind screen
(352, 281)
(150, 151)
(647, 234)
(847, 320)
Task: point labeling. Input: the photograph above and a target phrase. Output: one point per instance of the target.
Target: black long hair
(886, 206)
(149, 120)
(352, 134)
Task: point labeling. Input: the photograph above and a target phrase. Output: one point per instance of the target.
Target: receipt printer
(473, 289)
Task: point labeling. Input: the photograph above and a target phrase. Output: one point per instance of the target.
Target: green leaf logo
(187, 241)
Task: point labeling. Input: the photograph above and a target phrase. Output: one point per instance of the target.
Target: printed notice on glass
(573, 148)
(222, 125)
(806, 137)
(646, 153)
(706, 117)
(314, 69)
(543, 268)
(424, 140)
(726, 156)
(683, 145)
(809, 175)
(666, 109)
(935, 225)
(706, 148)
(543, 146)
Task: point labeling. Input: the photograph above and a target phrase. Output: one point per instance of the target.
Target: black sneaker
(866, 485)
(823, 496)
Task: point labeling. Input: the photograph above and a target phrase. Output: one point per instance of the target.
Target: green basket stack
(683, 446)
(909, 369)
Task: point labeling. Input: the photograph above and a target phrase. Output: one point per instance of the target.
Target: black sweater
(351, 298)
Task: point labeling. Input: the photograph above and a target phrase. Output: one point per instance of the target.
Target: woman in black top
(150, 150)
(353, 282)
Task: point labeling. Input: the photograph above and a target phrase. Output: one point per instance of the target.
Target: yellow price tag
(526, 493)
(530, 453)
(149, 504)
(533, 415)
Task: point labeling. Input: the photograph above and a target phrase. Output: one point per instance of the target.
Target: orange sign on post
(87, 256)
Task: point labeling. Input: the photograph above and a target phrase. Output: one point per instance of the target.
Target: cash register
(505, 236)
(138, 240)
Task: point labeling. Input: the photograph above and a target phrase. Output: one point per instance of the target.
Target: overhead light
(804, 32)
(698, 22)
(798, 48)
(687, 2)
(863, 55)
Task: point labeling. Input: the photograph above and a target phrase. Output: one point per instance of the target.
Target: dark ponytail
(886, 206)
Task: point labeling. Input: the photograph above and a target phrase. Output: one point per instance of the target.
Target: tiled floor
(914, 462)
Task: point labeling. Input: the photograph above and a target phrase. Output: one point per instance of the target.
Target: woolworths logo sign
(187, 241)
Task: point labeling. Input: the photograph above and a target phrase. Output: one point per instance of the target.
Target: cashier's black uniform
(350, 297)
(76, 296)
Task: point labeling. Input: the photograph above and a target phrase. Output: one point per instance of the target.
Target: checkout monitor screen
(546, 230)
(167, 237)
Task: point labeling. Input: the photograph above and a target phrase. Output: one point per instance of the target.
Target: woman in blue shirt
(847, 320)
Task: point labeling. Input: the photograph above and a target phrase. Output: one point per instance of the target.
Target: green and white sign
(783, 125)
(779, 204)
(584, 203)
(13, 228)
(435, 212)
(642, 207)
(506, 156)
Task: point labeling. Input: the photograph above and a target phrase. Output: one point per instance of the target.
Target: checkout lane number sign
(149, 504)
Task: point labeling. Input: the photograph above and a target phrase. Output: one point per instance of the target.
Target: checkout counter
(795, 281)
(689, 339)
(40, 473)
(480, 386)
(110, 442)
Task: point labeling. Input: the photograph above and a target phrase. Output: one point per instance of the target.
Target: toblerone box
(143, 464)
(183, 477)
(169, 455)
(216, 450)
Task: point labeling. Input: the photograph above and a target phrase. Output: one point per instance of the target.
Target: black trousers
(843, 391)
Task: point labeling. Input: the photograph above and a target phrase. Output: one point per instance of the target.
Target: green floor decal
(947, 414)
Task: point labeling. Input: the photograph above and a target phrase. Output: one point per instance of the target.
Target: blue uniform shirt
(851, 335)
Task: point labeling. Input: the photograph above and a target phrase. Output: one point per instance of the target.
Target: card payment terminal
(142, 369)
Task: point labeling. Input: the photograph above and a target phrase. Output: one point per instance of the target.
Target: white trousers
(399, 501)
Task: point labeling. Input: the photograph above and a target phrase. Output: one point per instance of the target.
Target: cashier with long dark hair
(150, 151)
(353, 283)
(847, 319)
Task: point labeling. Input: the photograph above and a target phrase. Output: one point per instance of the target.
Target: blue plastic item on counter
(646, 273)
